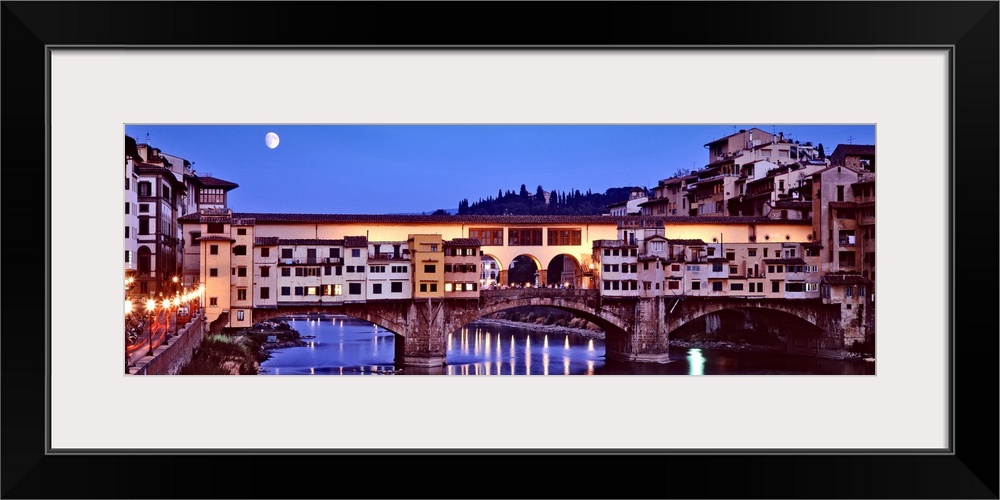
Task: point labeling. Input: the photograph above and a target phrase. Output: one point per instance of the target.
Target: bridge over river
(637, 329)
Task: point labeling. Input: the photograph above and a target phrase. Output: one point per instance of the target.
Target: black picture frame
(970, 29)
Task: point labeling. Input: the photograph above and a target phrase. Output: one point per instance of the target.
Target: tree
(540, 194)
(681, 172)
(822, 155)
(440, 211)
(524, 191)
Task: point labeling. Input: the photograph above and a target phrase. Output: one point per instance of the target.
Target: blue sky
(374, 169)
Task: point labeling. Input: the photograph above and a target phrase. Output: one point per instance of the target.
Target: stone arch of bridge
(810, 321)
(610, 323)
(376, 316)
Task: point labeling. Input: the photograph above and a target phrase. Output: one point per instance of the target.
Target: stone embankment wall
(170, 359)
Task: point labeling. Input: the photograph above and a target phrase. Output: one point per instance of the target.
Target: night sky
(375, 169)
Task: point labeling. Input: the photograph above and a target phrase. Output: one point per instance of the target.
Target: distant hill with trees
(523, 202)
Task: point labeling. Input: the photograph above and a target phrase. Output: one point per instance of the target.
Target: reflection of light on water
(498, 348)
(565, 365)
(341, 370)
(451, 369)
(566, 345)
(486, 366)
(511, 345)
(341, 323)
(590, 346)
(546, 342)
(312, 371)
(450, 339)
(511, 366)
(545, 363)
(487, 345)
(590, 367)
(696, 362)
(527, 355)
(312, 345)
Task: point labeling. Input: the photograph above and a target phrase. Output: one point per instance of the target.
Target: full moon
(271, 139)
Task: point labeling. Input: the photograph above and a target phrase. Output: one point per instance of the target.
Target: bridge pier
(646, 340)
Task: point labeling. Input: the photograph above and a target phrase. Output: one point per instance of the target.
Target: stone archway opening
(759, 326)
(564, 270)
(524, 271)
(492, 273)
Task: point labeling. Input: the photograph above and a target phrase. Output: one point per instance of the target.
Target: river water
(345, 346)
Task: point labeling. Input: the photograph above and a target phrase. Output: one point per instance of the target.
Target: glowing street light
(150, 308)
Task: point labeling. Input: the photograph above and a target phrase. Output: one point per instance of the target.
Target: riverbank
(544, 328)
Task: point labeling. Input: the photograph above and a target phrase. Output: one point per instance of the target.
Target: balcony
(390, 256)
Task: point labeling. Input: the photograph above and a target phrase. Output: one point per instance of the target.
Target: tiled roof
(842, 151)
(654, 202)
(265, 241)
(355, 241)
(717, 259)
(685, 242)
(194, 217)
(727, 219)
(612, 244)
(212, 182)
(843, 204)
(833, 167)
(216, 237)
(463, 242)
(432, 219)
(150, 166)
(797, 204)
(736, 134)
(310, 241)
(844, 279)
(794, 262)
(217, 219)
(815, 244)
(276, 218)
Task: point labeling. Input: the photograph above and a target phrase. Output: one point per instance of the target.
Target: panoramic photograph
(285, 249)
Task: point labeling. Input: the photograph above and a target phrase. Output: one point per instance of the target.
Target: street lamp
(177, 310)
(150, 308)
